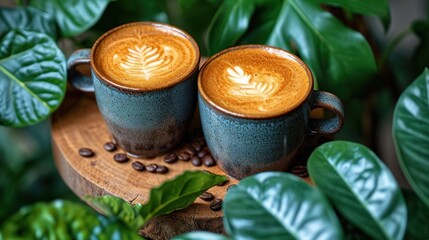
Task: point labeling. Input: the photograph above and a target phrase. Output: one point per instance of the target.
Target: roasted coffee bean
(138, 166)
(120, 157)
(109, 146)
(161, 169)
(171, 158)
(300, 171)
(86, 152)
(203, 152)
(184, 156)
(151, 167)
(208, 161)
(196, 161)
(190, 150)
(197, 146)
(206, 196)
(216, 204)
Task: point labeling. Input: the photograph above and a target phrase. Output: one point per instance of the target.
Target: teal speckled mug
(144, 76)
(255, 103)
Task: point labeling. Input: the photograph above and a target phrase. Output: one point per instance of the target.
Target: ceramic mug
(255, 103)
(144, 76)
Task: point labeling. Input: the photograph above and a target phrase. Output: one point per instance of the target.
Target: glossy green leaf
(229, 24)
(201, 235)
(62, 219)
(119, 208)
(73, 16)
(27, 18)
(32, 78)
(378, 8)
(340, 58)
(174, 194)
(276, 205)
(361, 187)
(178, 193)
(411, 134)
(418, 217)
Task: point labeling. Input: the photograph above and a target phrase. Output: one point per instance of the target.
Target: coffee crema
(255, 81)
(145, 56)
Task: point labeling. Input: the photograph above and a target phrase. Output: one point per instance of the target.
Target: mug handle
(76, 78)
(326, 100)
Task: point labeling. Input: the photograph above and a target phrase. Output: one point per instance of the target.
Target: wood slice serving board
(78, 124)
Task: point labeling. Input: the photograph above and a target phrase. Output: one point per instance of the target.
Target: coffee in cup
(144, 79)
(255, 103)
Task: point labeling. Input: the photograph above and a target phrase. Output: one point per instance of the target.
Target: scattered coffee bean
(161, 169)
(208, 161)
(196, 161)
(184, 156)
(190, 150)
(151, 168)
(203, 152)
(120, 157)
(197, 146)
(109, 146)
(171, 158)
(86, 152)
(138, 166)
(206, 196)
(300, 171)
(216, 204)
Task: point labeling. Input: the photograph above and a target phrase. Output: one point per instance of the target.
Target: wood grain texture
(78, 124)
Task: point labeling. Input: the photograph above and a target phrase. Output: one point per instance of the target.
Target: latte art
(145, 56)
(255, 82)
(145, 61)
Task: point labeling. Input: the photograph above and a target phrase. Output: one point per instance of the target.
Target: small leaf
(418, 217)
(32, 78)
(275, 205)
(411, 134)
(229, 24)
(361, 187)
(27, 18)
(201, 235)
(75, 16)
(62, 219)
(178, 193)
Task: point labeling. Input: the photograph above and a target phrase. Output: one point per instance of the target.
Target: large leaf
(28, 18)
(174, 194)
(229, 24)
(201, 235)
(62, 219)
(340, 58)
(378, 8)
(361, 187)
(275, 205)
(418, 217)
(32, 78)
(411, 134)
(73, 16)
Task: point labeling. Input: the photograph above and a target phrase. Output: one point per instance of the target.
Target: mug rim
(183, 33)
(286, 110)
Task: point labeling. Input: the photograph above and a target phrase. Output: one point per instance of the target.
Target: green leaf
(418, 217)
(200, 235)
(73, 16)
(178, 193)
(27, 18)
(32, 78)
(62, 219)
(411, 134)
(378, 8)
(119, 208)
(229, 24)
(361, 187)
(340, 58)
(275, 205)
(174, 194)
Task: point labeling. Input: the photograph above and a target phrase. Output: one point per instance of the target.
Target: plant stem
(392, 45)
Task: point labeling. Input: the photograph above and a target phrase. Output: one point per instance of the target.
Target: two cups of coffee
(254, 101)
